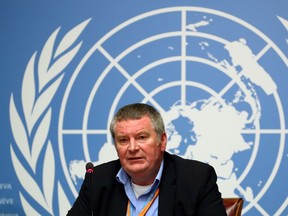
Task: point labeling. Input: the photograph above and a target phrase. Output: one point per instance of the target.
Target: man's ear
(163, 141)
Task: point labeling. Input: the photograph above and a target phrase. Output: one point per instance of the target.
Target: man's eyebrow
(142, 131)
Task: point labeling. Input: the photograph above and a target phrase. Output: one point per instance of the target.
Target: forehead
(133, 124)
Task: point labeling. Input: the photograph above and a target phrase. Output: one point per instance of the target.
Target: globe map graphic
(205, 82)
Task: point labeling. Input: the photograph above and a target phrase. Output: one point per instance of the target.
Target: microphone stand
(89, 171)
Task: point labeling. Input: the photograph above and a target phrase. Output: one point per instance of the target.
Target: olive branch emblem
(31, 144)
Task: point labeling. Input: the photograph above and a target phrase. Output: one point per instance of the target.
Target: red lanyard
(145, 209)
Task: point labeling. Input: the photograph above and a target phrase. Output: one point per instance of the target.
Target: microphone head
(89, 167)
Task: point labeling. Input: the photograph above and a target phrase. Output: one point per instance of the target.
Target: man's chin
(136, 168)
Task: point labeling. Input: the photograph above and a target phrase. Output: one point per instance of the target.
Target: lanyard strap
(145, 209)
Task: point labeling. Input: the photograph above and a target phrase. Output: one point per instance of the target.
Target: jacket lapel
(118, 202)
(167, 187)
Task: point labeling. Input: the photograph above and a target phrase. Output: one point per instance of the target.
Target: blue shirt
(136, 205)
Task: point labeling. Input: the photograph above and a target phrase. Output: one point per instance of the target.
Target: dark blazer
(187, 188)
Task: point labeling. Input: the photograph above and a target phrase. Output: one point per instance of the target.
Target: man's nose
(133, 145)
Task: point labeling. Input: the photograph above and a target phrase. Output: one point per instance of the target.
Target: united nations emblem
(215, 78)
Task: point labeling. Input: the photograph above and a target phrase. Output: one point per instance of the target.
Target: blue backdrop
(216, 70)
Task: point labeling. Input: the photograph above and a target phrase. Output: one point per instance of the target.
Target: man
(146, 180)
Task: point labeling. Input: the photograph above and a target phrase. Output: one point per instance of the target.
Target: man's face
(139, 149)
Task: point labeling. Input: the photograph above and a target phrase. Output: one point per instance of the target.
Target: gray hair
(137, 111)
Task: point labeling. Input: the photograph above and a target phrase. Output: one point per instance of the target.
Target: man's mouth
(132, 159)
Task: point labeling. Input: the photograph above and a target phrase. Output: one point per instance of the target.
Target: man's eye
(123, 141)
(142, 138)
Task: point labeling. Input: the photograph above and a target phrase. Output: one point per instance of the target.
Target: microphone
(89, 167)
(89, 171)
